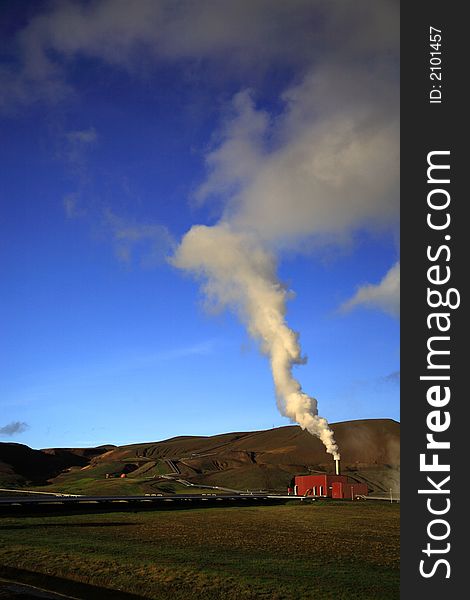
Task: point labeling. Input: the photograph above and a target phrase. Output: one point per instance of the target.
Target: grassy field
(119, 487)
(320, 550)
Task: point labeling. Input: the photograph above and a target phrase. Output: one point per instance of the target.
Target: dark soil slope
(21, 465)
(267, 460)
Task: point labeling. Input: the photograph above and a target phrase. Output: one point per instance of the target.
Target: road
(12, 590)
(21, 504)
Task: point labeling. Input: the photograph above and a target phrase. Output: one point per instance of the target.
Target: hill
(241, 460)
(21, 465)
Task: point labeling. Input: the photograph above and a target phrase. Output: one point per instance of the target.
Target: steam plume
(239, 273)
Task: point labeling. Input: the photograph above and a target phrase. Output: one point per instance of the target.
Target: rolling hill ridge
(267, 460)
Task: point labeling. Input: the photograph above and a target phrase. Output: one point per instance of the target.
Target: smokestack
(337, 459)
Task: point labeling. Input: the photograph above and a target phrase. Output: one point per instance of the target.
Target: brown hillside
(366, 442)
(241, 460)
(264, 459)
(21, 465)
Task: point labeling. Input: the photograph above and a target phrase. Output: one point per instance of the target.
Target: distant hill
(370, 452)
(21, 465)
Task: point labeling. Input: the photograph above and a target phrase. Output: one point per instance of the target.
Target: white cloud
(71, 203)
(148, 244)
(13, 428)
(328, 164)
(237, 35)
(392, 378)
(75, 147)
(323, 166)
(82, 136)
(384, 295)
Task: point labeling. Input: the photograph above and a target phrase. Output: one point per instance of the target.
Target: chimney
(336, 458)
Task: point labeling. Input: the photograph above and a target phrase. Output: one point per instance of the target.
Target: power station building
(329, 486)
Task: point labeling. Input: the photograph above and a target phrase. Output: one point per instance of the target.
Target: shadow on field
(40, 509)
(78, 590)
(99, 524)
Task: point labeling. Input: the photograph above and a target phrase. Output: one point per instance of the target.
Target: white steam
(323, 168)
(316, 166)
(239, 273)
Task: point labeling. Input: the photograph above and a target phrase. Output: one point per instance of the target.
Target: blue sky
(123, 125)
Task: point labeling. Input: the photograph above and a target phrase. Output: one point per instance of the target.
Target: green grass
(92, 480)
(117, 487)
(320, 550)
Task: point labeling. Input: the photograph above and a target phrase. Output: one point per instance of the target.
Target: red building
(329, 486)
